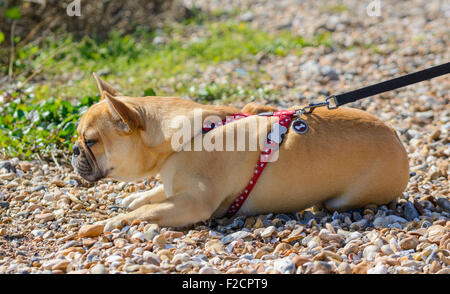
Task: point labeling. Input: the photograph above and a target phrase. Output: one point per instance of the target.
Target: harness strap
(274, 139)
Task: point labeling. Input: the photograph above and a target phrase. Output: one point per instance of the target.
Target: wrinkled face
(103, 149)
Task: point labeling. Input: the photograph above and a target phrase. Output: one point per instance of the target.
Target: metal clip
(334, 104)
(310, 108)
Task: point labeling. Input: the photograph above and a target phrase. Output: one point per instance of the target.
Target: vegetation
(39, 116)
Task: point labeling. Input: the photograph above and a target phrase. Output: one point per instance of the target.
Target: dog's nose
(76, 150)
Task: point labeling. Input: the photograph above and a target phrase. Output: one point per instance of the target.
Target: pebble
(90, 231)
(321, 267)
(149, 269)
(409, 243)
(370, 252)
(379, 269)
(151, 258)
(284, 266)
(344, 268)
(268, 232)
(235, 236)
(98, 269)
(206, 270)
(444, 203)
(410, 211)
(45, 217)
(160, 241)
(385, 221)
(411, 233)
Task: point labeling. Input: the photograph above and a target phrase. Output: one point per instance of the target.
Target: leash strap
(390, 85)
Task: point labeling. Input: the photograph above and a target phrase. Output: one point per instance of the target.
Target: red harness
(274, 139)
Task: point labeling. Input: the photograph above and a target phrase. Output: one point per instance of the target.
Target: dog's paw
(137, 200)
(129, 199)
(114, 223)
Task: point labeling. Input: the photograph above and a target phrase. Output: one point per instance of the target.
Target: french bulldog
(347, 159)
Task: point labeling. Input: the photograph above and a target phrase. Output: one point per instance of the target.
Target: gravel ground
(44, 204)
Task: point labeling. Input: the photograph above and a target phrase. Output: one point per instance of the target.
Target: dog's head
(109, 138)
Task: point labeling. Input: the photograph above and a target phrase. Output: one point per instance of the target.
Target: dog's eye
(90, 143)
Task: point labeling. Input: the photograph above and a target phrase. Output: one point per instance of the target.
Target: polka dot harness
(274, 139)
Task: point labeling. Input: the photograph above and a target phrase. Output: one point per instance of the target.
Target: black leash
(334, 101)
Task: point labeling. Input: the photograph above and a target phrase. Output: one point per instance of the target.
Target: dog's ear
(104, 87)
(130, 119)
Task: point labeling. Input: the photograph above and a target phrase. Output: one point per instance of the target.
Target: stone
(185, 266)
(44, 217)
(351, 247)
(282, 247)
(235, 236)
(151, 258)
(150, 234)
(321, 267)
(300, 260)
(379, 269)
(409, 243)
(410, 211)
(435, 135)
(61, 265)
(324, 234)
(328, 71)
(444, 203)
(149, 269)
(360, 268)
(258, 224)
(173, 234)
(159, 240)
(284, 266)
(215, 246)
(180, 258)
(294, 235)
(262, 251)
(137, 237)
(386, 221)
(344, 268)
(359, 225)
(206, 270)
(386, 249)
(93, 230)
(370, 252)
(268, 232)
(98, 269)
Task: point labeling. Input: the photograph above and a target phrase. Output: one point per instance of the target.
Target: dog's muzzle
(84, 163)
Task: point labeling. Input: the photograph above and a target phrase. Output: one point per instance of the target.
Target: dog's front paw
(129, 199)
(137, 200)
(114, 223)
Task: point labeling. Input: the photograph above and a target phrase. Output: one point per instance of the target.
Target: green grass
(43, 117)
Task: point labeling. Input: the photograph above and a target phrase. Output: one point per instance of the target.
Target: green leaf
(2, 37)
(149, 92)
(13, 13)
